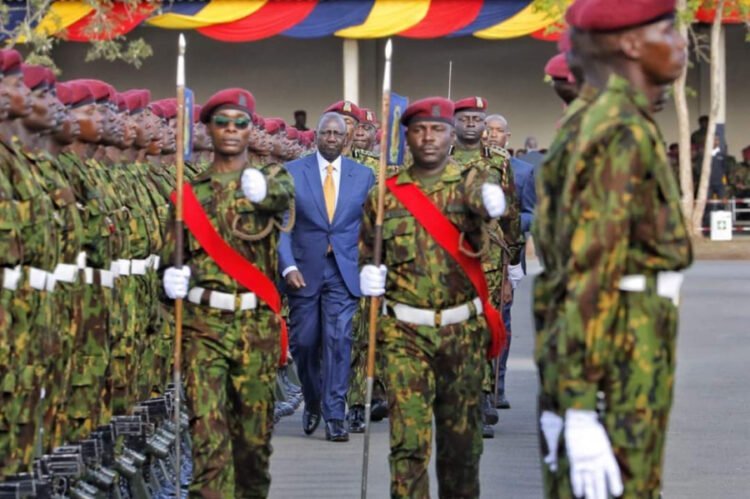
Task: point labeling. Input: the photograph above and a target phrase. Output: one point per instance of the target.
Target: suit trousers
(320, 339)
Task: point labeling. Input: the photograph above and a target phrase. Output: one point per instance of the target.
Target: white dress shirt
(323, 169)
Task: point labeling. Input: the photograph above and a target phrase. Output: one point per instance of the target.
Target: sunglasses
(224, 121)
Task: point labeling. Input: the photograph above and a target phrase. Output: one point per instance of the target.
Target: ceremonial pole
(450, 78)
(377, 256)
(178, 258)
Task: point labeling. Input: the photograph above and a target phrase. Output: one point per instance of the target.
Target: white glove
(552, 426)
(372, 280)
(176, 282)
(254, 185)
(515, 274)
(493, 198)
(593, 468)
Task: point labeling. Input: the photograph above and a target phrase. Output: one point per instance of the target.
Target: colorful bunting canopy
(248, 20)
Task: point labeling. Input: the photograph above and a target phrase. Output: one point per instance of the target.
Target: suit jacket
(523, 174)
(534, 158)
(305, 246)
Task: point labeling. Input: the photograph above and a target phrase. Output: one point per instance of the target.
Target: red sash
(231, 262)
(447, 236)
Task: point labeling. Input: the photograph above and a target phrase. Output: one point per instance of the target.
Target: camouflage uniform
(11, 250)
(741, 177)
(231, 357)
(621, 216)
(31, 335)
(505, 239)
(549, 284)
(431, 370)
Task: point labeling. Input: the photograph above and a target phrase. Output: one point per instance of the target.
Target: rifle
(130, 463)
(24, 485)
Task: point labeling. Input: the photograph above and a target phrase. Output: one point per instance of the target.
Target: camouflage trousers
(230, 372)
(638, 397)
(358, 381)
(146, 378)
(30, 337)
(85, 406)
(124, 358)
(434, 373)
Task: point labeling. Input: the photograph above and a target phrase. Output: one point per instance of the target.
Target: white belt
(140, 267)
(668, 284)
(224, 301)
(106, 277)
(155, 260)
(123, 267)
(66, 272)
(11, 277)
(81, 260)
(440, 318)
(41, 279)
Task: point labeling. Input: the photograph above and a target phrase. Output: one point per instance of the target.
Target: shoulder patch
(498, 151)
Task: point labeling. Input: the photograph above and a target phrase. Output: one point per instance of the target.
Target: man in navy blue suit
(319, 265)
(498, 133)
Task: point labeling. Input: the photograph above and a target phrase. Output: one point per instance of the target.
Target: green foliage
(38, 43)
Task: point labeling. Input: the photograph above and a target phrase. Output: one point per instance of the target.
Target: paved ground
(708, 452)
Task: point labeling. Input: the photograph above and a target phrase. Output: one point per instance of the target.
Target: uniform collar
(451, 173)
(617, 83)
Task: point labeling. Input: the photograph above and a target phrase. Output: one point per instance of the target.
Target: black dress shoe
(502, 402)
(489, 413)
(310, 420)
(335, 431)
(378, 410)
(488, 431)
(356, 419)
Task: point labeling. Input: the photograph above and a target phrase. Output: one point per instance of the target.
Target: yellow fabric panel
(388, 17)
(215, 12)
(524, 23)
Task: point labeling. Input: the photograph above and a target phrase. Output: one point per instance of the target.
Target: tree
(38, 28)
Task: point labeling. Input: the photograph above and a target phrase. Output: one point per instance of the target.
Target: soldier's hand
(493, 198)
(372, 280)
(177, 282)
(552, 426)
(594, 473)
(295, 280)
(254, 185)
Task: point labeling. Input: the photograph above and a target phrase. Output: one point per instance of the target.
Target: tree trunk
(683, 126)
(700, 202)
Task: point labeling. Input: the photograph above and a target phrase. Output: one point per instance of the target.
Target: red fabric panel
(445, 17)
(732, 14)
(271, 19)
(123, 21)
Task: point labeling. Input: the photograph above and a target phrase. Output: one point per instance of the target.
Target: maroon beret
(429, 109)
(100, 90)
(260, 121)
(197, 113)
(563, 44)
(345, 107)
(471, 104)
(235, 98)
(10, 61)
(33, 75)
(614, 15)
(292, 133)
(557, 67)
(168, 107)
(368, 117)
(275, 125)
(80, 94)
(64, 93)
(156, 108)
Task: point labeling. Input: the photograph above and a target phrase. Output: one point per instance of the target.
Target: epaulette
(364, 153)
(496, 151)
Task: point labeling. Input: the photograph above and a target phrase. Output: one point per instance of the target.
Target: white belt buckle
(89, 275)
(138, 267)
(195, 295)
(107, 278)
(123, 266)
(248, 301)
(223, 301)
(11, 277)
(37, 278)
(668, 285)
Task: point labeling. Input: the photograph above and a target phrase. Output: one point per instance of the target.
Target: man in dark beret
(613, 244)
(232, 333)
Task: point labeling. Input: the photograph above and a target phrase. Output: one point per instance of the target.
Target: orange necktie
(329, 192)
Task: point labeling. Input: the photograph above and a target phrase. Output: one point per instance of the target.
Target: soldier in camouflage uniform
(741, 176)
(31, 334)
(612, 328)
(231, 338)
(505, 240)
(431, 369)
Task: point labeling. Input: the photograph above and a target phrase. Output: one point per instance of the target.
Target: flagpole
(377, 256)
(178, 259)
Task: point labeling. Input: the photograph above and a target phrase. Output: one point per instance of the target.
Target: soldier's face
(663, 53)
(230, 131)
(265, 143)
(566, 90)
(469, 126)
(169, 138)
(429, 143)
(332, 136)
(113, 129)
(142, 133)
(364, 136)
(68, 130)
(201, 140)
(351, 125)
(4, 101)
(42, 116)
(18, 95)
(129, 131)
(90, 123)
(497, 133)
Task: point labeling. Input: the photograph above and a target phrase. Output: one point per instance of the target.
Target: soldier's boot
(488, 431)
(489, 413)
